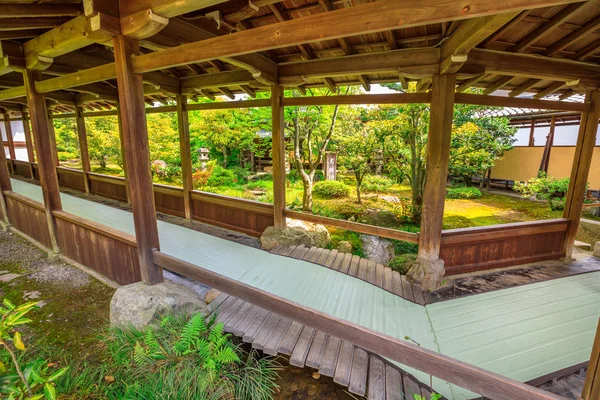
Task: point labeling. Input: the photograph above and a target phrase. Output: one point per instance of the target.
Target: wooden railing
(591, 388)
(468, 376)
(28, 217)
(479, 248)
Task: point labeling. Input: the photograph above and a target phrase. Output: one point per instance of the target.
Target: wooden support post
(125, 173)
(278, 148)
(591, 387)
(185, 152)
(10, 140)
(28, 142)
(5, 185)
(83, 147)
(428, 270)
(545, 163)
(52, 134)
(584, 150)
(531, 142)
(137, 156)
(46, 155)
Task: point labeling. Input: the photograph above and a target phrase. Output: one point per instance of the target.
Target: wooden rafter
(499, 84)
(529, 84)
(553, 87)
(574, 36)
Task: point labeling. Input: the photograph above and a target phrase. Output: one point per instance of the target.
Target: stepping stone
(35, 294)
(583, 245)
(9, 277)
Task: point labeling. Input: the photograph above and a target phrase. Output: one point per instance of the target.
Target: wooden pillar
(531, 133)
(44, 148)
(137, 156)
(28, 142)
(278, 148)
(125, 174)
(591, 387)
(429, 268)
(83, 147)
(584, 150)
(52, 139)
(5, 185)
(9, 136)
(185, 153)
(545, 163)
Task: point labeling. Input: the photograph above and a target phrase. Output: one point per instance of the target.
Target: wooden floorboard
(352, 367)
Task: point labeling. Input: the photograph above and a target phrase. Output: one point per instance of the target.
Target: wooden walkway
(362, 373)
(361, 268)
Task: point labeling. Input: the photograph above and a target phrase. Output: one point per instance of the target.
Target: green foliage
(103, 139)
(402, 263)
(221, 177)
(339, 235)
(33, 381)
(163, 141)
(463, 193)
(187, 358)
(67, 143)
(377, 183)
(433, 396)
(477, 144)
(557, 203)
(331, 190)
(402, 247)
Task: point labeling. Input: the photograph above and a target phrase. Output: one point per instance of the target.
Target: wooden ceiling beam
(553, 87)
(409, 62)
(469, 82)
(34, 23)
(228, 93)
(218, 80)
(248, 90)
(520, 102)
(21, 34)
(40, 10)
(533, 66)
(574, 36)
(499, 84)
(330, 84)
(514, 22)
(364, 82)
(366, 18)
(165, 8)
(547, 27)
(468, 35)
(530, 83)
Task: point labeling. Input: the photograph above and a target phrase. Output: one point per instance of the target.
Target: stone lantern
(203, 157)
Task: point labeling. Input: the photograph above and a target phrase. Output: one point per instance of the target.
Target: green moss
(340, 235)
(402, 263)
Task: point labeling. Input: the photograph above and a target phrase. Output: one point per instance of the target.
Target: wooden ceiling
(568, 31)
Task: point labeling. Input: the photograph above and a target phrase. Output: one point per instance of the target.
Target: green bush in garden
(331, 190)
(557, 203)
(222, 177)
(376, 183)
(463, 193)
(402, 263)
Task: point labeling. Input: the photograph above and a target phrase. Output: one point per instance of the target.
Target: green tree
(103, 139)
(67, 143)
(358, 145)
(311, 129)
(163, 138)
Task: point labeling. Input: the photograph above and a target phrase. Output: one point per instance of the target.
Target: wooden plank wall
(477, 249)
(245, 216)
(71, 178)
(21, 168)
(111, 253)
(28, 217)
(169, 200)
(108, 186)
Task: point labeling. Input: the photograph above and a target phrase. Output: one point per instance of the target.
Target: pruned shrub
(463, 193)
(331, 190)
(557, 203)
(402, 263)
(221, 177)
(376, 183)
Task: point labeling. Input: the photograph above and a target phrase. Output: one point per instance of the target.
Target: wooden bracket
(142, 24)
(101, 28)
(265, 78)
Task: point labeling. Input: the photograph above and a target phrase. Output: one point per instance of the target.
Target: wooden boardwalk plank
(393, 384)
(243, 325)
(353, 269)
(324, 256)
(228, 308)
(344, 364)
(299, 252)
(345, 260)
(330, 356)
(371, 269)
(315, 354)
(289, 250)
(279, 249)
(300, 352)
(272, 346)
(397, 284)
(290, 338)
(310, 253)
(216, 303)
(358, 376)
(379, 274)
(377, 381)
(362, 269)
(265, 331)
(387, 279)
(407, 292)
(331, 257)
(237, 317)
(317, 256)
(410, 387)
(255, 325)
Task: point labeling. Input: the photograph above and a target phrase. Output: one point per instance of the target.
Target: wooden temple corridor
(509, 331)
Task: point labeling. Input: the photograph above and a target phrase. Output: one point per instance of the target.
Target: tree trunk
(224, 151)
(307, 198)
(358, 198)
(103, 162)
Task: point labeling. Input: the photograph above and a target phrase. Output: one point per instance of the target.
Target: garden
(379, 152)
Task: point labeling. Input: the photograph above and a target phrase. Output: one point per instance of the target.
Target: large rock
(429, 274)
(383, 218)
(139, 304)
(296, 233)
(344, 247)
(378, 249)
(597, 249)
(589, 231)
